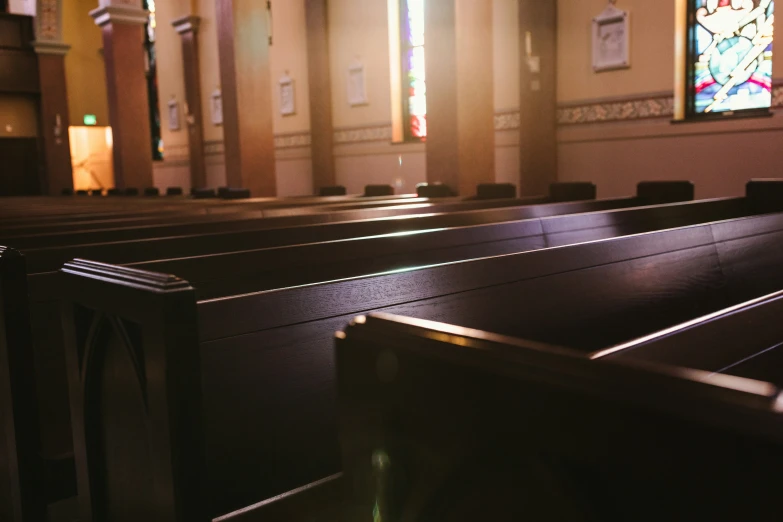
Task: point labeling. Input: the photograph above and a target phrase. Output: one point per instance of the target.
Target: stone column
(54, 96)
(187, 27)
(460, 96)
(246, 88)
(122, 22)
(318, 69)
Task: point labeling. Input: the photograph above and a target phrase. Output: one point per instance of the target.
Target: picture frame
(357, 86)
(174, 121)
(216, 107)
(611, 39)
(287, 96)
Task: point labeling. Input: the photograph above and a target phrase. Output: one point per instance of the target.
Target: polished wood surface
(246, 86)
(573, 438)
(319, 76)
(299, 352)
(128, 104)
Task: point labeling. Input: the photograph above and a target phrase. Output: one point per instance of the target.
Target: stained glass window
(152, 80)
(414, 86)
(730, 56)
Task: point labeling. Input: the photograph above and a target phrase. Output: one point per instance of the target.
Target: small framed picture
(287, 96)
(174, 124)
(217, 107)
(611, 39)
(357, 89)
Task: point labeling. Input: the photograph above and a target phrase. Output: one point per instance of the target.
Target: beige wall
(652, 50)
(358, 30)
(85, 74)
(506, 54)
(288, 55)
(718, 157)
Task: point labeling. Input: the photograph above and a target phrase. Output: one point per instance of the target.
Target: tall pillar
(246, 87)
(122, 23)
(187, 27)
(54, 96)
(319, 75)
(538, 96)
(460, 100)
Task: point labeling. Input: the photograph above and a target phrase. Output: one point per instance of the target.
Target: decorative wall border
(658, 105)
(344, 135)
(504, 121)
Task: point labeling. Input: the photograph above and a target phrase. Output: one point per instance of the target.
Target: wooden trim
(187, 27)
(318, 70)
(248, 133)
(538, 96)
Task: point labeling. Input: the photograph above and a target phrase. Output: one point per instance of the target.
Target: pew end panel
(446, 407)
(22, 491)
(134, 379)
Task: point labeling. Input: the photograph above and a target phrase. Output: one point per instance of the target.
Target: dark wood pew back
(282, 339)
(466, 419)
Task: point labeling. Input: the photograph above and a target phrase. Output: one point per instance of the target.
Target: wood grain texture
(246, 85)
(128, 104)
(319, 76)
(533, 414)
(54, 104)
(538, 97)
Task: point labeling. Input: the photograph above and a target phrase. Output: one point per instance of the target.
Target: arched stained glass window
(414, 84)
(152, 80)
(729, 56)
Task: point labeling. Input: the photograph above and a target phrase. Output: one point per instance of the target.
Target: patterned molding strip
(507, 120)
(292, 140)
(362, 134)
(213, 147)
(654, 106)
(177, 153)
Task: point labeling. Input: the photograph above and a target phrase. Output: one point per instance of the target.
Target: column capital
(122, 14)
(187, 24)
(50, 47)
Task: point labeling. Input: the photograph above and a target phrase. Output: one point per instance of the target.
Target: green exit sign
(90, 119)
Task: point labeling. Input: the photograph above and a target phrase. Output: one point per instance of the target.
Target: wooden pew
(337, 225)
(465, 420)
(253, 220)
(282, 339)
(541, 211)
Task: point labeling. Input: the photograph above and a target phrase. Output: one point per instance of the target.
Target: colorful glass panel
(731, 55)
(415, 79)
(152, 80)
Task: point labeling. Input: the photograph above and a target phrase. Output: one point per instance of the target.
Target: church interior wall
(84, 67)
(616, 127)
(18, 116)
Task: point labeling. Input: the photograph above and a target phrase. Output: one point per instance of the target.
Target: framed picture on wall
(357, 89)
(216, 107)
(287, 96)
(611, 39)
(174, 124)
